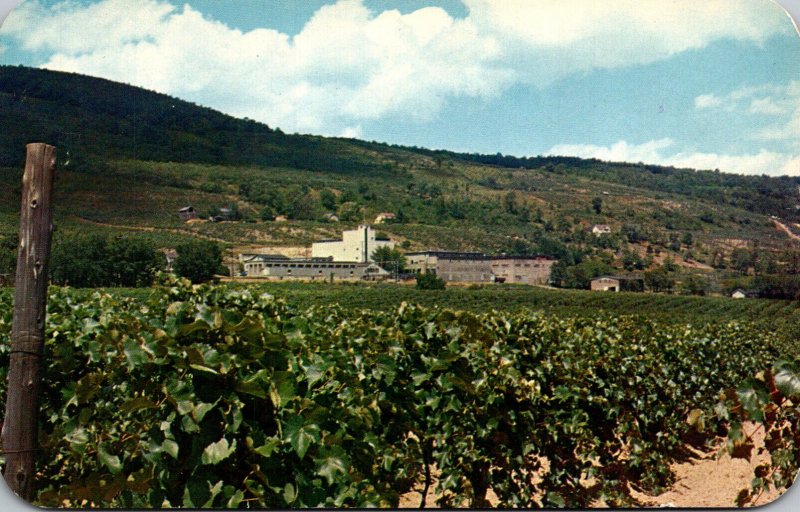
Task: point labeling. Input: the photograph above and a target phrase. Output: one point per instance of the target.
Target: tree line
(96, 261)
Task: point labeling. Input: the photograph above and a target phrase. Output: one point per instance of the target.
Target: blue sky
(711, 84)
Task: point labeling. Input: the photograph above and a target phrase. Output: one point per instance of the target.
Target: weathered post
(19, 434)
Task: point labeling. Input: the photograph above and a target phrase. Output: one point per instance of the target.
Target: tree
(198, 260)
(132, 262)
(632, 261)
(741, 259)
(510, 202)
(695, 285)
(429, 281)
(90, 261)
(328, 199)
(597, 205)
(659, 280)
(389, 259)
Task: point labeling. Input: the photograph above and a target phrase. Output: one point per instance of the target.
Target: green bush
(429, 281)
(199, 260)
(96, 261)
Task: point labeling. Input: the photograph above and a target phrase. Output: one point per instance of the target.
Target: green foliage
(9, 247)
(597, 205)
(206, 396)
(659, 280)
(199, 260)
(579, 276)
(770, 399)
(328, 199)
(429, 281)
(95, 260)
(389, 259)
(695, 285)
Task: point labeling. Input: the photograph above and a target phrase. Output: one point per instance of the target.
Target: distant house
(741, 293)
(617, 284)
(384, 216)
(605, 284)
(187, 213)
(601, 229)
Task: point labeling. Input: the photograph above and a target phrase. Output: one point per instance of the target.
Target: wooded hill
(130, 158)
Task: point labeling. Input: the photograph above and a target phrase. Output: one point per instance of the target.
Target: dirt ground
(708, 482)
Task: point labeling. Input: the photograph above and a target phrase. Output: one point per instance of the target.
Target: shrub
(429, 281)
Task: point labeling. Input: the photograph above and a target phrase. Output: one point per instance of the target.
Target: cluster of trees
(390, 259)
(90, 261)
(199, 260)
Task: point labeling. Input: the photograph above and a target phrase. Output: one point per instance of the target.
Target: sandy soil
(707, 482)
(713, 482)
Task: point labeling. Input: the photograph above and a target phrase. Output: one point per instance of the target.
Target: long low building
(522, 269)
(463, 267)
(476, 267)
(320, 269)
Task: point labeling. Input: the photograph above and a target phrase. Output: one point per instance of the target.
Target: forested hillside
(130, 158)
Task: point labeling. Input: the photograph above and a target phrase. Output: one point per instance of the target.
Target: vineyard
(219, 396)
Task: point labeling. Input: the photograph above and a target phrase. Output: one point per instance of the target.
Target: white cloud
(656, 152)
(558, 37)
(349, 64)
(766, 106)
(780, 104)
(649, 152)
(707, 101)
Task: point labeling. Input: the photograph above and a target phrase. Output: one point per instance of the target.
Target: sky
(711, 84)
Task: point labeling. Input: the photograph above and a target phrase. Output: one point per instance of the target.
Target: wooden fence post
(19, 434)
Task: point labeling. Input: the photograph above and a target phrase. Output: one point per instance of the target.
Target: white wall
(351, 247)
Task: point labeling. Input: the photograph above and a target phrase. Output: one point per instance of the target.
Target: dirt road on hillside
(151, 229)
(783, 227)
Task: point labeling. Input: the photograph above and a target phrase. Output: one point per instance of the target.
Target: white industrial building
(276, 267)
(356, 245)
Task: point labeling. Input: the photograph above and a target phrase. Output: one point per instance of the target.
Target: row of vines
(780, 317)
(205, 396)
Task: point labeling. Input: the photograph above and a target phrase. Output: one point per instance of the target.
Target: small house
(601, 229)
(187, 213)
(384, 217)
(617, 284)
(741, 293)
(605, 284)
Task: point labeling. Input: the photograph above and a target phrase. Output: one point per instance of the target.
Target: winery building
(476, 267)
(277, 267)
(356, 245)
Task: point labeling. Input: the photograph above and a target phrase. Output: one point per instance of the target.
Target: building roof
(451, 255)
(618, 278)
(522, 257)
